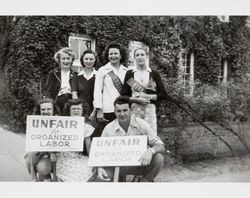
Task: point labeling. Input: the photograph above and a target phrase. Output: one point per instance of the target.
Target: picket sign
(117, 151)
(54, 133)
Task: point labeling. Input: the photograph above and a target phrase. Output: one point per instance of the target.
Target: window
(248, 22)
(80, 43)
(223, 18)
(132, 46)
(186, 71)
(223, 72)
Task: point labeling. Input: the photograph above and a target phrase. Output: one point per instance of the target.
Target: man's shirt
(137, 126)
(105, 92)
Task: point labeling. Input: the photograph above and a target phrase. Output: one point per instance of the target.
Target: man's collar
(117, 126)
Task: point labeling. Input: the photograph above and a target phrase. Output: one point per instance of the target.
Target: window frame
(224, 18)
(186, 71)
(80, 37)
(223, 72)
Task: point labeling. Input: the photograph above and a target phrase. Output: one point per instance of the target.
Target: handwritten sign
(117, 151)
(54, 133)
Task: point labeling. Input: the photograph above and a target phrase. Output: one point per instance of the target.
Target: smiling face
(46, 109)
(114, 56)
(76, 110)
(140, 57)
(123, 113)
(89, 60)
(65, 61)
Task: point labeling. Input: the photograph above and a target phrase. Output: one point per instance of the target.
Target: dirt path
(12, 150)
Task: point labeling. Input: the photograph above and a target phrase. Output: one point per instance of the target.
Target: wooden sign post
(54, 178)
(116, 174)
(117, 151)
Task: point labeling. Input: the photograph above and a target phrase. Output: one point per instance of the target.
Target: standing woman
(109, 80)
(144, 87)
(60, 80)
(83, 86)
(73, 166)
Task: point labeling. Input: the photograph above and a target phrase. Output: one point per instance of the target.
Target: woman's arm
(49, 85)
(126, 89)
(74, 95)
(139, 100)
(161, 91)
(92, 116)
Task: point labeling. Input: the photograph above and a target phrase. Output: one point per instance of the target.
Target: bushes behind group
(27, 57)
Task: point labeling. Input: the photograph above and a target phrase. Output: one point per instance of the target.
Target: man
(38, 163)
(151, 161)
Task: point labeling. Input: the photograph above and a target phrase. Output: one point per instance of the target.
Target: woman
(39, 163)
(73, 166)
(60, 80)
(83, 86)
(144, 87)
(109, 80)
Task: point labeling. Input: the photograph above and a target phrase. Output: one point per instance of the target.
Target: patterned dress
(148, 82)
(73, 166)
(146, 112)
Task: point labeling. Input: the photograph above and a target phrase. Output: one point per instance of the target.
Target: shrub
(35, 39)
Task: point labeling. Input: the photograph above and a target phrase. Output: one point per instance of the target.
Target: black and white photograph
(124, 98)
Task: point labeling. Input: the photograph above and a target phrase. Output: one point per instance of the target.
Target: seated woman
(38, 163)
(144, 87)
(73, 166)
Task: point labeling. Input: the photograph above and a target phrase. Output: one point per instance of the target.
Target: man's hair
(122, 100)
(85, 107)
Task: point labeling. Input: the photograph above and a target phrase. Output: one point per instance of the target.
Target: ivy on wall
(33, 40)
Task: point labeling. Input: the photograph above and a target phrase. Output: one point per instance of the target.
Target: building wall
(196, 140)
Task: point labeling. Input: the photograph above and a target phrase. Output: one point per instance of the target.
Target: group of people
(115, 101)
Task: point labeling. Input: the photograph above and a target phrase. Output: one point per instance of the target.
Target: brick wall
(194, 139)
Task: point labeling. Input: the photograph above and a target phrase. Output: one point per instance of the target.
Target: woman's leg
(44, 168)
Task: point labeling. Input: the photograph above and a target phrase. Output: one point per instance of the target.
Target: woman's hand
(144, 95)
(92, 116)
(53, 157)
(147, 96)
(141, 101)
(100, 115)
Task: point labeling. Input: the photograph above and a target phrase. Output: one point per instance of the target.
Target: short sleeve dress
(73, 166)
